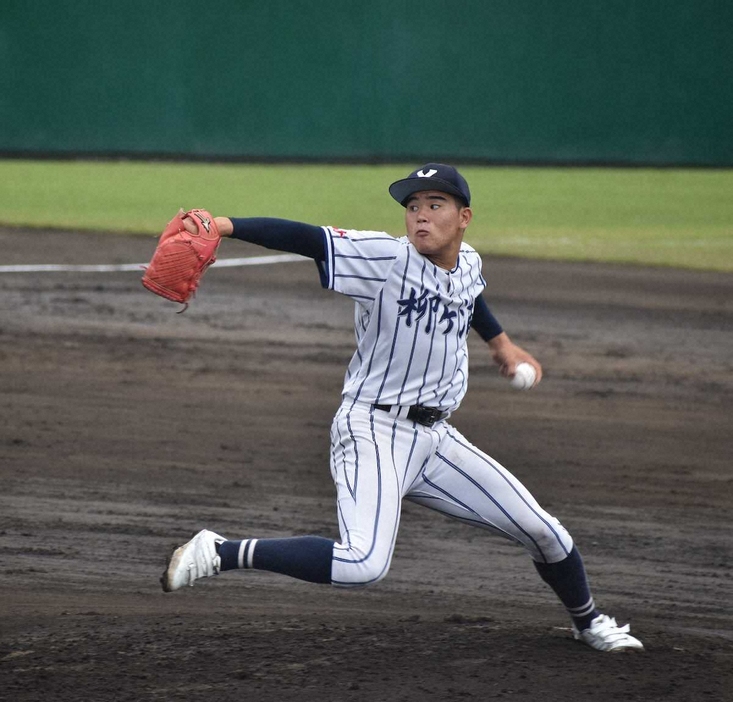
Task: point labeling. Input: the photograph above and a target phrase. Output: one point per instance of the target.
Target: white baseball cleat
(196, 559)
(604, 634)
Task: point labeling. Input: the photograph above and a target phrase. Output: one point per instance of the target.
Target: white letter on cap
(429, 174)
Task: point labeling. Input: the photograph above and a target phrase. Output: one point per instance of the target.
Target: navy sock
(570, 583)
(303, 557)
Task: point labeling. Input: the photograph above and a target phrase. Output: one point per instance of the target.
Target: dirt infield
(127, 427)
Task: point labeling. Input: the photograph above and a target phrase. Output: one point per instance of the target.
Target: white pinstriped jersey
(411, 318)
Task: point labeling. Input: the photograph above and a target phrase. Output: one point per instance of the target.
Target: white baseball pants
(379, 458)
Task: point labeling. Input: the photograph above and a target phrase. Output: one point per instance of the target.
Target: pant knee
(550, 542)
(354, 569)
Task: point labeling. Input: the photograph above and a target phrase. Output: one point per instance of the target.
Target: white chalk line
(107, 268)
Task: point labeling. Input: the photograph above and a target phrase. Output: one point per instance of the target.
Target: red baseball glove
(181, 258)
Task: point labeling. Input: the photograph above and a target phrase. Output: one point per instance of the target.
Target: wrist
(499, 341)
(224, 225)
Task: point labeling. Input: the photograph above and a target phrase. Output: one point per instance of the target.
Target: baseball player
(416, 297)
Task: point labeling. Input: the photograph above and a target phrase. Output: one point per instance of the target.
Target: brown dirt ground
(126, 427)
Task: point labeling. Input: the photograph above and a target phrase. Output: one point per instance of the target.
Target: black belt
(427, 416)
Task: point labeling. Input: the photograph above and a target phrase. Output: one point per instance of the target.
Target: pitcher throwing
(416, 298)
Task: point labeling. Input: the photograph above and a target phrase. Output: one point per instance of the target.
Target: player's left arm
(506, 354)
(272, 233)
(280, 234)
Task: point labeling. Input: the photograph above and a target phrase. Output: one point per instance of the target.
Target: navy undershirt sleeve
(309, 240)
(282, 234)
(483, 321)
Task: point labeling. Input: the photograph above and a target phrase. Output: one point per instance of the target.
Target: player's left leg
(208, 553)
(464, 482)
(375, 456)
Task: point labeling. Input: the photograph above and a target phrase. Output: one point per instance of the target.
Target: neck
(447, 258)
(447, 265)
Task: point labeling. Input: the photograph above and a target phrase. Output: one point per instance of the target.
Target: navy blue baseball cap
(432, 176)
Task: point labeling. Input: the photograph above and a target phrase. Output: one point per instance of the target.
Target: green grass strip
(680, 218)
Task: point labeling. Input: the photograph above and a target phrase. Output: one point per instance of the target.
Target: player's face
(435, 223)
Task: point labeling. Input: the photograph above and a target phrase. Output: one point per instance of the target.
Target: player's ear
(466, 215)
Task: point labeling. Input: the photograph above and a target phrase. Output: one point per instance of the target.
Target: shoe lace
(209, 569)
(609, 630)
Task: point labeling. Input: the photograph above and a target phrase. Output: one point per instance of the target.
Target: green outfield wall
(521, 81)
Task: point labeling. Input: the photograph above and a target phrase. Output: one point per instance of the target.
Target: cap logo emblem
(429, 174)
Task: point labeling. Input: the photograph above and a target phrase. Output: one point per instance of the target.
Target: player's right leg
(464, 482)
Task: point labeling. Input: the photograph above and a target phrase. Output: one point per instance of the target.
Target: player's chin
(423, 244)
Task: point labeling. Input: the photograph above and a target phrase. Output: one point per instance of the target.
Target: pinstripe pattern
(437, 467)
(411, 318)
(388, 454)
(509, 506)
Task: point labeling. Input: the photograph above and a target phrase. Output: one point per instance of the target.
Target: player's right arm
(505, 353)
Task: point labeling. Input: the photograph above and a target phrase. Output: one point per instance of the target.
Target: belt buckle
(427, 416)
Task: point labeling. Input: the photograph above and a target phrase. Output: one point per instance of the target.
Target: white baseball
(524, 377)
